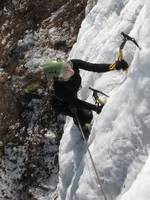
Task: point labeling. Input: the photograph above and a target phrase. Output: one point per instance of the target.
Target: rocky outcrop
(9, 108)
(16, 18)
(31, 33)
(37, 26)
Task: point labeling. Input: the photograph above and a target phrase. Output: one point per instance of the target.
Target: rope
(91, 158)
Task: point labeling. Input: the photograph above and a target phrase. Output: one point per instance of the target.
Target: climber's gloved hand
(121, 65)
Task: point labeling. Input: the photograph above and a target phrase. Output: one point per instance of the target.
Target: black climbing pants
(83, 109)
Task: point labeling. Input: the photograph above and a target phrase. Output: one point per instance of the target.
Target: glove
(121, 65)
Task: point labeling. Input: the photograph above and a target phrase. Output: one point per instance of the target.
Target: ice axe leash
(91, 157)
(121, 55)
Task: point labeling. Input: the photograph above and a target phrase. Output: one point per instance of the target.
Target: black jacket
(67, 90)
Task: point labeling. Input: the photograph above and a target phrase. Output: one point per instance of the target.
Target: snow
(119, 140)
(140, 187)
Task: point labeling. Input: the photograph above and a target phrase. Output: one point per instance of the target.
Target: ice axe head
(127, 37)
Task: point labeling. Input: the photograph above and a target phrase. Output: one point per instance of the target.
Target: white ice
(120, 135)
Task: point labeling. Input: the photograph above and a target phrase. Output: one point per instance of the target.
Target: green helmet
(55, 68)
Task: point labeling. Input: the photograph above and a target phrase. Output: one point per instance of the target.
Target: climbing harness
(121, 56)
(98, 101)
(91, 158)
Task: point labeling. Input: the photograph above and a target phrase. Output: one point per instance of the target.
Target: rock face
(31, 32)
(9, 111)
(27, 25)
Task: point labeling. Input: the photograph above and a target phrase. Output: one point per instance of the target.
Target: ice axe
(96, 97)
(125, 39)
(121, 56)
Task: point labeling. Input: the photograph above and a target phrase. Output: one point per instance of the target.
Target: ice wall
(120, 135)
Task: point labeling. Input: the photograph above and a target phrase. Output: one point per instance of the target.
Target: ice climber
(66, 84)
